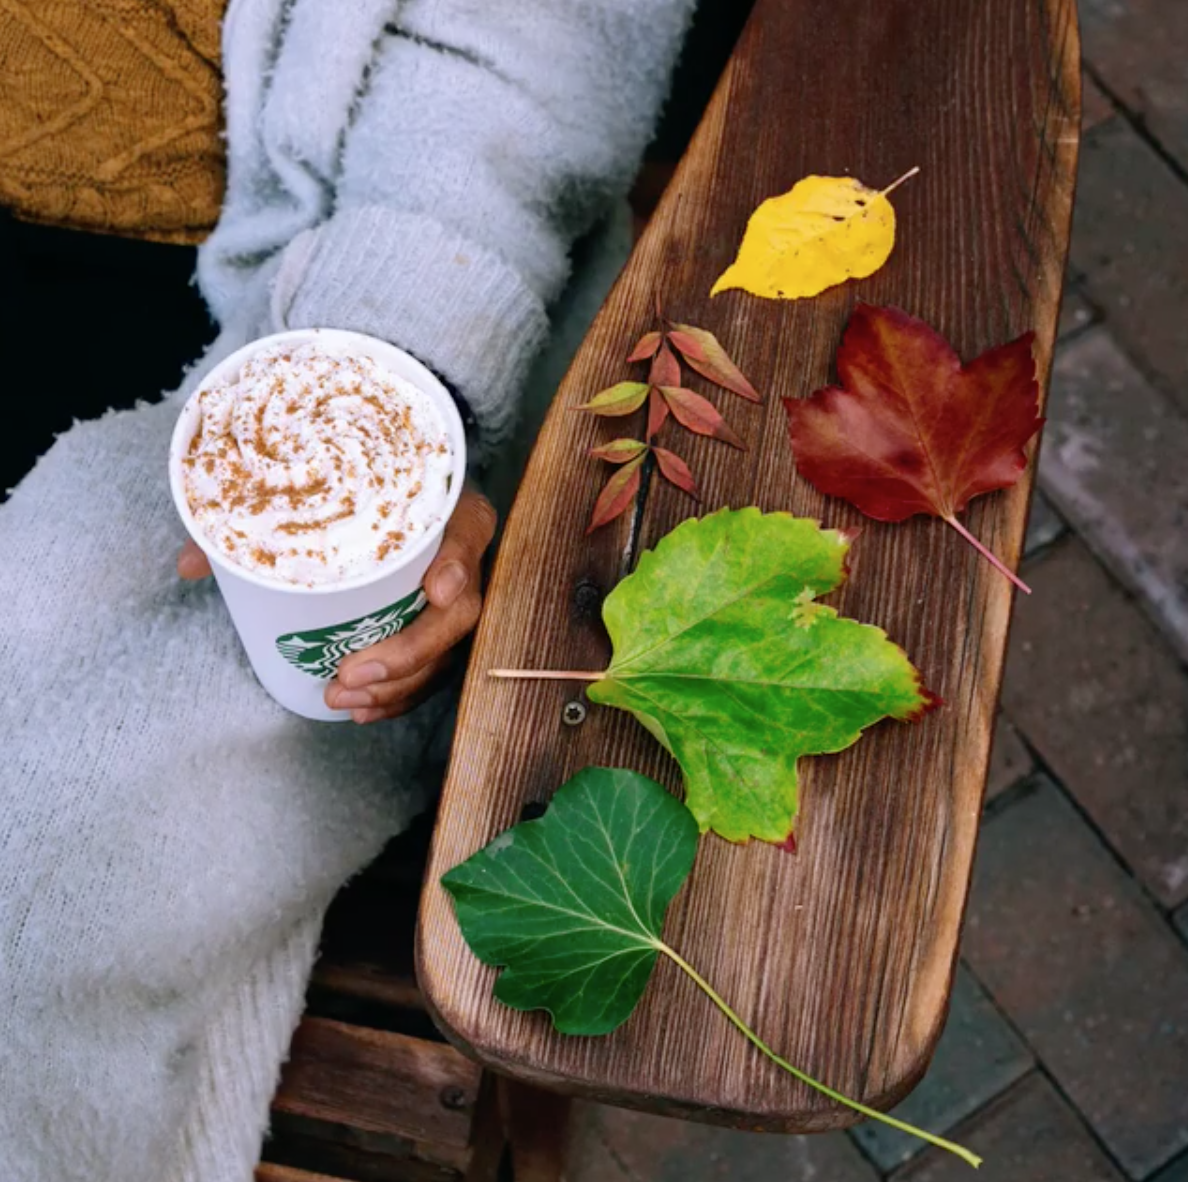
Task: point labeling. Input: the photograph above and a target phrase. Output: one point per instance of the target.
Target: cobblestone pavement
(1066, 1052)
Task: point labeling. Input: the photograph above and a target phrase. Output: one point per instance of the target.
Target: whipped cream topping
(312, 467)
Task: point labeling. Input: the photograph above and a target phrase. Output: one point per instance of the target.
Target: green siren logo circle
(320, 651)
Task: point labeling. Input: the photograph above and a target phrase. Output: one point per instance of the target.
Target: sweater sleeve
(475, 141)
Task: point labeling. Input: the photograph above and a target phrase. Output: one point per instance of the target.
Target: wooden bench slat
(269, 1172)
(351, 1163)
(369, 982)
(379, 1082)
(361, 1156)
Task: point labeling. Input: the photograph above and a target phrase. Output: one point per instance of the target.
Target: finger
(458, 562)
(379, 713)
(390, 699)
(366, 716)
(378, 693)
(191, 562)
(390, 695)
(432, 635)
(452, 586)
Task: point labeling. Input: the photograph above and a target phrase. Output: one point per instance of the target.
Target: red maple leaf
(911, 430)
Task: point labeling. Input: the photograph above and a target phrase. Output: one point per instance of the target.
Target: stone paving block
(1088, 971)
(1113, 462)
(1138, 49)
(1030, 1135)
(1010, 761)
(1096, 105)
(1044, 526)
(613, 1145)
(1176, 1172)
(1130, 249)
(588, 1158)
(1104, 703)
(1076, 312)
(978, 1056)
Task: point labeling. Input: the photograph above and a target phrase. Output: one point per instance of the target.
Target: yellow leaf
(822, 232)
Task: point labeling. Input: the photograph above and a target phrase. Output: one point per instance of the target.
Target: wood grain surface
(841, 956)
(379, 1082)
(267, 1172)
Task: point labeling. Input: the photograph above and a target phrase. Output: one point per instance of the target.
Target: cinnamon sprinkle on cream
(307, 443)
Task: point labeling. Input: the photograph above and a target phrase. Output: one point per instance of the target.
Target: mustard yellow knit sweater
(110, 115)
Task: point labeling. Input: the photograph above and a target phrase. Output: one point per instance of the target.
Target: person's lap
(165, 826)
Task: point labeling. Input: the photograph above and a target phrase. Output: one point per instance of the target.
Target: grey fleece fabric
(429, 192)
(169, 837)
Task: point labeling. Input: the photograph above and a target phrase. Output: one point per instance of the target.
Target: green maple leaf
(572, 907)
(722, 653)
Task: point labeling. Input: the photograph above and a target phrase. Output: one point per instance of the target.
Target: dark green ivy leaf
(572, 905)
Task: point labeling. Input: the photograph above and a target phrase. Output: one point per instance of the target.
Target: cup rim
(424, 379)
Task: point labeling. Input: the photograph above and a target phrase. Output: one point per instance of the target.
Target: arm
(442, 167)
(428, 190)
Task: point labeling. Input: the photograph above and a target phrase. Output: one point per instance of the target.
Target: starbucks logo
(318, 653)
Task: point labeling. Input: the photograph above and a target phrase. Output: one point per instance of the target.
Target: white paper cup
(296, 636)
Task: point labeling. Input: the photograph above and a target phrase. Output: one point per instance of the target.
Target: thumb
(467, 536)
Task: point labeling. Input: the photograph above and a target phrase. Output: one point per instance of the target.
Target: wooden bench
(842, 956)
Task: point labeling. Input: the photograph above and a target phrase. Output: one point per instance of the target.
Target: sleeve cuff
(460, 309)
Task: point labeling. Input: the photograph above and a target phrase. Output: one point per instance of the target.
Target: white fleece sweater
(169, 837)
